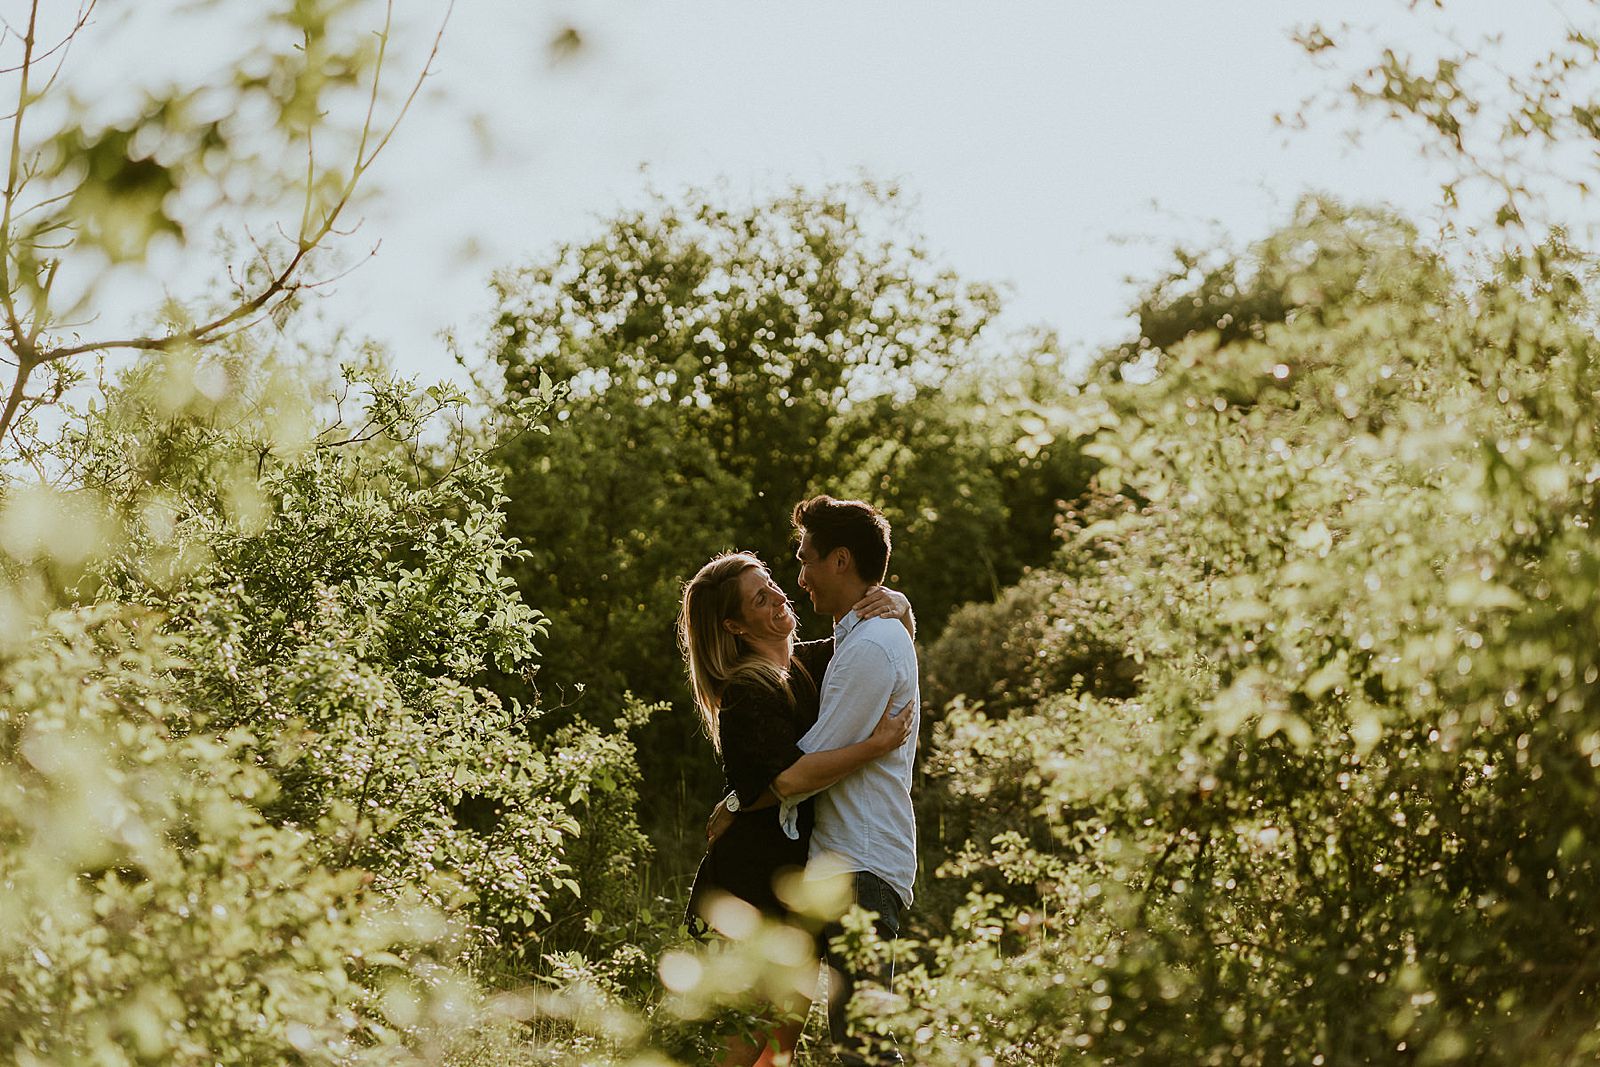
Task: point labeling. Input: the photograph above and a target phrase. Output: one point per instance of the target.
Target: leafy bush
(152, 912)
(342, 625)
(284, 778)
(987, 652)
(1349, 813)
(1054, 631)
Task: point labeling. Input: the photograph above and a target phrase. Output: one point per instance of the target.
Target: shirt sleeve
(859, 684)
(758, 740)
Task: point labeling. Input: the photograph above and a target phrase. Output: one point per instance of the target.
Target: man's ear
(841, 560)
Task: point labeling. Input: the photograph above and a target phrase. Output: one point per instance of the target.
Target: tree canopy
(722, 365)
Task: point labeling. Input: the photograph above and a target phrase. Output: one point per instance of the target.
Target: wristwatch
(731, 802)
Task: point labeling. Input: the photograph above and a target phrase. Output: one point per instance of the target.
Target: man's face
(817, 577)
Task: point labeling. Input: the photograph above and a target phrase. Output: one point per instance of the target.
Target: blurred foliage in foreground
(256, 805)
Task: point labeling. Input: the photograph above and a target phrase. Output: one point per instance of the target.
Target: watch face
(733, 802)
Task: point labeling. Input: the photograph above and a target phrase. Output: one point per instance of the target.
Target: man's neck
(849, 598)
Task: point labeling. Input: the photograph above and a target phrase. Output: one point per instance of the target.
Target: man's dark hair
(852, 524)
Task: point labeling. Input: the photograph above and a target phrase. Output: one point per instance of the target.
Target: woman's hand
(717, 825)
(893, 728)
(881, 602)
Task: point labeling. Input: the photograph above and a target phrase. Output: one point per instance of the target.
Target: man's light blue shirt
(864, 820)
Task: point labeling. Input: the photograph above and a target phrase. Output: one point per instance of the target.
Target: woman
(756, 690)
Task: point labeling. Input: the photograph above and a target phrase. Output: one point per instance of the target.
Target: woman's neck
(778, 652)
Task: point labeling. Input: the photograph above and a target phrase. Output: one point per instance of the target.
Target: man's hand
(717, 825)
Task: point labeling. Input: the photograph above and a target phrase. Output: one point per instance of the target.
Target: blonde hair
(714, 656)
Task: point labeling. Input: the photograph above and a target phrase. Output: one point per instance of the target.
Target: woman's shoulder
(815, 655)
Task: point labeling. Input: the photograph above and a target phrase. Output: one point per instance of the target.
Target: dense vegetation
(1344, 805)
(342, 722)
(722, 364)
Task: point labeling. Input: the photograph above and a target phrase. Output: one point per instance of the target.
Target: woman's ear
(727, 624)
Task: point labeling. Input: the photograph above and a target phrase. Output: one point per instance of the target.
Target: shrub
(1349, 812)
(321, 614)
(152, 912)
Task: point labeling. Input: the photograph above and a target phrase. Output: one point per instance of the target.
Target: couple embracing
(816, 740)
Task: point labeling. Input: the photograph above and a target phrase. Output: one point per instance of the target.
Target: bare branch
(311, 181)
(10, 199)
(320, 282)
(41, 315)
(41, 205)
(18, 386)
(78, 23)
(282, 284)
(427, 69)
(377, 77)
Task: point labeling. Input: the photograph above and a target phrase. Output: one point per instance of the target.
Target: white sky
(1057, 147)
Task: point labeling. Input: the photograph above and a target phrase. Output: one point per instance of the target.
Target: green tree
(717, 361)
(723, 364)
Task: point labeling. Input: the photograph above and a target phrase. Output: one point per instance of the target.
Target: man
(865, 827)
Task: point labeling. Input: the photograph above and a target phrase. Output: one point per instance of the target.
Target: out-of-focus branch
(13, 170)
(281, 285)
(78, 23)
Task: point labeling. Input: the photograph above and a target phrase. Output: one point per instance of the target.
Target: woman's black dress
(758, 729)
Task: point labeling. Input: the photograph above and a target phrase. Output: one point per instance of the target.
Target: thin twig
(24, 356)
(40, 205)
(41, 313)
(82, 20)
(280, 285)
(377, 76)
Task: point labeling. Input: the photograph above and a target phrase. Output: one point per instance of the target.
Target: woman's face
(764, 610)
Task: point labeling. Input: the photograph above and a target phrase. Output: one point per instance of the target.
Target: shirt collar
(842, 628)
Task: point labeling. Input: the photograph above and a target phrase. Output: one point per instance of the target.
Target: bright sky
(1057, 147)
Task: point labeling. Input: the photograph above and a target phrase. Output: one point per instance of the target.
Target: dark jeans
(873, 894)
